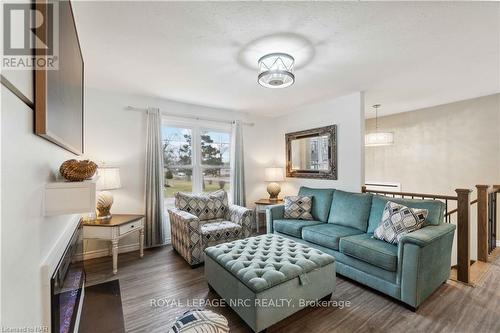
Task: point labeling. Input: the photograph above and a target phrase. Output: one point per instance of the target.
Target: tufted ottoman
(267, 278)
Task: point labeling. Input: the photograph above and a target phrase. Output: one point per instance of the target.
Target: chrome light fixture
(378, 138)
(276, 70)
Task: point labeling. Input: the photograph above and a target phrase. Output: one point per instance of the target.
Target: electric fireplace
(67, 287)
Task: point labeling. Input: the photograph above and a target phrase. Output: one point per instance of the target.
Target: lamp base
(104, 203)
(273, 189)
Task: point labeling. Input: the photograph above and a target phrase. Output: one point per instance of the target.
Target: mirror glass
(310, 153)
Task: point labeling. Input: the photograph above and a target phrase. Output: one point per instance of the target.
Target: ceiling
(404, 55)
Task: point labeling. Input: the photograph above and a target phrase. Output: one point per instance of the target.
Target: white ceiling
(404, 55)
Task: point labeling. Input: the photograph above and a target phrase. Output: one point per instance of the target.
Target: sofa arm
(274, 212)
(424, 261)
(425, 236)
(242, 216)
(186, 235)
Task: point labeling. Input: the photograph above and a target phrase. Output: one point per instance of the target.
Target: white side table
(113, 229)
(260, 208)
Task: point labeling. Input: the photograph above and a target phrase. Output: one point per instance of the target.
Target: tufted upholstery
(265, 261)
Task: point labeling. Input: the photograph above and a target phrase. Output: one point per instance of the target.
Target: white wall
(27, 238)
(347, 113)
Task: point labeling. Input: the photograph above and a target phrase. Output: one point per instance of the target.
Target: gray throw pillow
(399, 220)
(298, 207)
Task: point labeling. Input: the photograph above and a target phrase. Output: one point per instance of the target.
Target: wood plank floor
(163, 274)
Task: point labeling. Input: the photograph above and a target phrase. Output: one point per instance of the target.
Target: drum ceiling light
(276, 70)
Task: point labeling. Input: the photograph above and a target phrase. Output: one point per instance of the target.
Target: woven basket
(77, 171)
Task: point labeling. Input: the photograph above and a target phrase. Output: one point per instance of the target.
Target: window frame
(196, 131)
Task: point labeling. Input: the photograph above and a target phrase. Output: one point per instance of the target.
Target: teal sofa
(343, 226)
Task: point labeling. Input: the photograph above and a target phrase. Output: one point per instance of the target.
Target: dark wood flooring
(163, 274)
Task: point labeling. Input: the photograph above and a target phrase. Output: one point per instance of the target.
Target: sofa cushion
(205, 206)
(298, 207)
(435, 210)
(373, 251)
(327, 234)
(350, 209)
(293, 227)
(321, 201)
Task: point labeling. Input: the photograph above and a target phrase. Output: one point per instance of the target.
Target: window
(215, 160)
(177, 160)
(195, 158)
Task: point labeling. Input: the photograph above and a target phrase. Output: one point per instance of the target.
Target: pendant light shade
(377, 138)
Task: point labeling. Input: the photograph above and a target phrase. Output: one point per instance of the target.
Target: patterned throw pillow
(298, 208)
(200, 321)
(399, 220)
(206, 206)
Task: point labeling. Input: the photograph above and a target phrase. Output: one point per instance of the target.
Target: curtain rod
(191, 117)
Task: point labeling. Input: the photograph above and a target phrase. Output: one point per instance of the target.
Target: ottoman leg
(327, 297)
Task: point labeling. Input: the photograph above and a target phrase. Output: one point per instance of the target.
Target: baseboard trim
(105, 252)
(498, 243)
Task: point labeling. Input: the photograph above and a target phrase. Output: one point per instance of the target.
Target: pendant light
(377, 138)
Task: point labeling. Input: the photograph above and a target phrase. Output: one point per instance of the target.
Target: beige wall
(441, 148)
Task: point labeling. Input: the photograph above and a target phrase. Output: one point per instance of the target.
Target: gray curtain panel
(237, 165)
(155, 228)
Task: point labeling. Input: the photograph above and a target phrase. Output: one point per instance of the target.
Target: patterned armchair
(202, 220)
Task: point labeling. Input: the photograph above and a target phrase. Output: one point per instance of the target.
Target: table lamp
(109, 179)
(273, 175)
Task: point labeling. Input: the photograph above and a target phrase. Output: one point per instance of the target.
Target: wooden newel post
(363, 189)
(463, 235)
(482, 222)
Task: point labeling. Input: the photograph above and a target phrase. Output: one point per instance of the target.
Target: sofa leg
(327, 297)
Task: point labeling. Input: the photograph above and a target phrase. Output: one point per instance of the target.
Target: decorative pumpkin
(77, 171)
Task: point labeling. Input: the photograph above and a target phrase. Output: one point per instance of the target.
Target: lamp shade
(379, 139)
(274, 174)
(109, 179)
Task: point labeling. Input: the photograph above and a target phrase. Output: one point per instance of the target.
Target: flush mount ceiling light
(378, 138)
(276, 70)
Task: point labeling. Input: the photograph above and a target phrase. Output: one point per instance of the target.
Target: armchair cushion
(373, 251)
(219, 231)
(206, 206)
